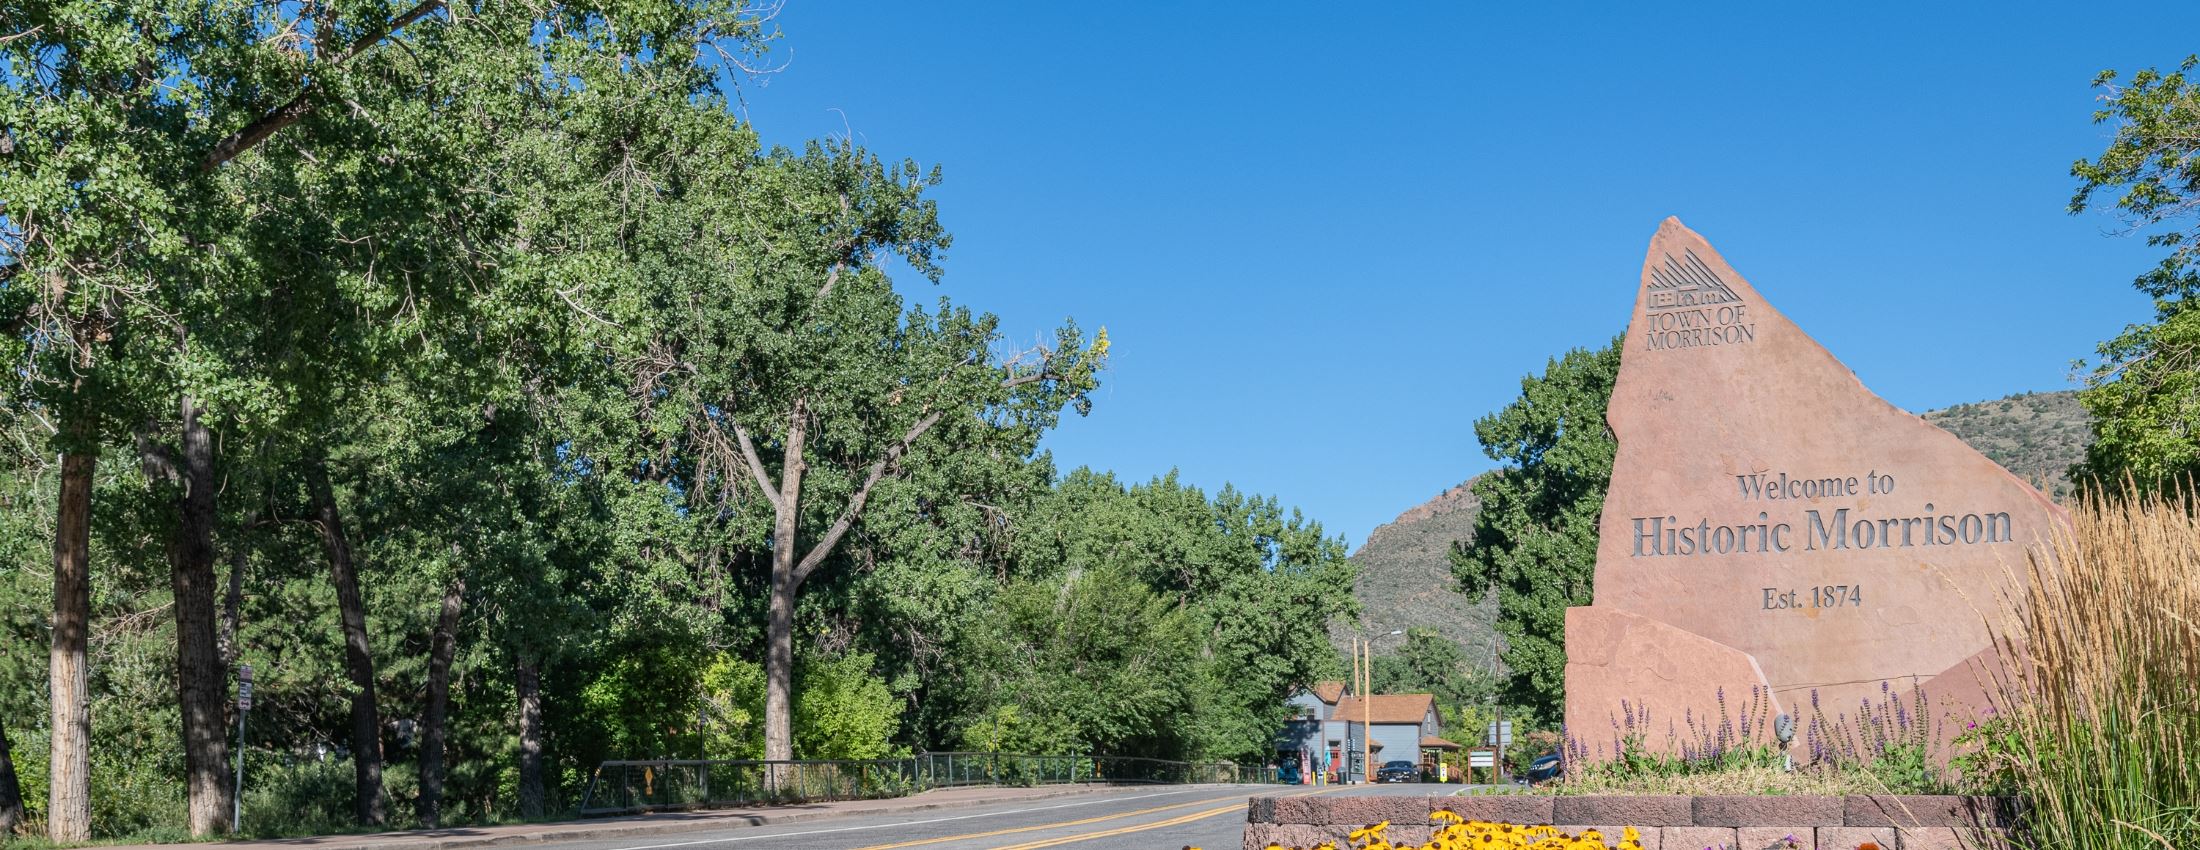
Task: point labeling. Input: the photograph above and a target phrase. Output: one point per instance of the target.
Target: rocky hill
(1405, 577)
(2035, 435)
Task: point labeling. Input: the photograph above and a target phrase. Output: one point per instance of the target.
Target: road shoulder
(661, 823)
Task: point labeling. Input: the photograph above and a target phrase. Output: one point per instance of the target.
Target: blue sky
(1324, 238)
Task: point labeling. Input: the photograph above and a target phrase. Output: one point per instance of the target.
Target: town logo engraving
(1691, 307)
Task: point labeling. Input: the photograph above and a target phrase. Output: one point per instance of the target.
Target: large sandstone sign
(1772, 523)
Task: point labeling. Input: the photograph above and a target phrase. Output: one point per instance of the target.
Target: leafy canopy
(2144, 392)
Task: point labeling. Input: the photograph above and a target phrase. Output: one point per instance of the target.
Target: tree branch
(300, 106)
(157, 459)
(755, 463)
(879, 468)
(1031, 378)
(878, 471)
(846, 245)
(831, 277)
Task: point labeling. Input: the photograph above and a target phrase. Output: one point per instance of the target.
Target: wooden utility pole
(1367, 712)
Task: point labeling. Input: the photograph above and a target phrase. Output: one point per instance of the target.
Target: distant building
(1300, 747)
(1327, 727)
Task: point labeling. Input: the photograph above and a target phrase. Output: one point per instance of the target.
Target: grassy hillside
(1405, 578)
(2035, 435)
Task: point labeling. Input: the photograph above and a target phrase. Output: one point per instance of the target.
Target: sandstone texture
(1764, 501)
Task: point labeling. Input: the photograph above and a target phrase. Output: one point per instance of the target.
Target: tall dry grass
(2102, 729)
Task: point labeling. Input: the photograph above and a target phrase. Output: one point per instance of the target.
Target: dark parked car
(1544, 769)
(1398, 771)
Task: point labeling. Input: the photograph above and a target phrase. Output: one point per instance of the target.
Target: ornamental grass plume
(2100, 722)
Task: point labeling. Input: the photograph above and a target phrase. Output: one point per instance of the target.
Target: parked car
(1398, 771)
(1544, 769)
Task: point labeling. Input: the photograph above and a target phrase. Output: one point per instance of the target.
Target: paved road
(1150, 818)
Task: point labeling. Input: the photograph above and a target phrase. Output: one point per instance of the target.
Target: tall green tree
(789, 382)
(1259, 588)
(2142, 390)
(1089, 661)
(1535, 539)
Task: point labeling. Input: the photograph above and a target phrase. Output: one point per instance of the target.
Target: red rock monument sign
(1771, 522)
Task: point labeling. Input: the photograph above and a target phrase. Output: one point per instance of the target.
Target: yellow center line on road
(1057, 825)
(1141, 827)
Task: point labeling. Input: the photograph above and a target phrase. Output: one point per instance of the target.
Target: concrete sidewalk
(650, 824)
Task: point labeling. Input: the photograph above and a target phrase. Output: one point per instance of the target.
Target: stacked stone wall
(1891, 822)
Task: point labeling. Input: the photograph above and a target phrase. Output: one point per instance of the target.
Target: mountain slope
(2035, 435)
(1405, 576)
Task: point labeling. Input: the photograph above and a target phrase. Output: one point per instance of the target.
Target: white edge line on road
(901, 823)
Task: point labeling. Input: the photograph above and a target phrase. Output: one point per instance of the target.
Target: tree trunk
(366, 722)
(202, 680)
(779, 626)
(529, 682)
(240, 557)
(779, 664)
(11, 790)
(439, 700)
(69, 798)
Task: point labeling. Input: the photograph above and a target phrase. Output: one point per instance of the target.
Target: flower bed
(1644, 822)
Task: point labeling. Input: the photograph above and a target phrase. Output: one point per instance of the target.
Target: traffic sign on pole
(244, 706)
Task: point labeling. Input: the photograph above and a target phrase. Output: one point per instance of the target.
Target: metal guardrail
(629, 786)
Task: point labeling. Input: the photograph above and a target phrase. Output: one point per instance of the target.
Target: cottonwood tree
(1234, 565)
(800, 381)
(105, 109)
(1535, 539)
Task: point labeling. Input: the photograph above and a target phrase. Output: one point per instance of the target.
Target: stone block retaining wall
(1666, 822)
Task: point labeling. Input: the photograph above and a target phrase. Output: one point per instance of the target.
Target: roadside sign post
(1482, 757)
(244, 707)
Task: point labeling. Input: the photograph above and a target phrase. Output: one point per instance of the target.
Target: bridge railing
(629, 786)
(665, 784)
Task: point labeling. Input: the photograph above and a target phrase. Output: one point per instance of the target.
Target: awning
(1434, 743)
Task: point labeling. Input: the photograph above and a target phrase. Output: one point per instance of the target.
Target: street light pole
(244, 707)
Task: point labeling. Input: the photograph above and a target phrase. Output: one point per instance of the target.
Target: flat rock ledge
(1667, 822)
